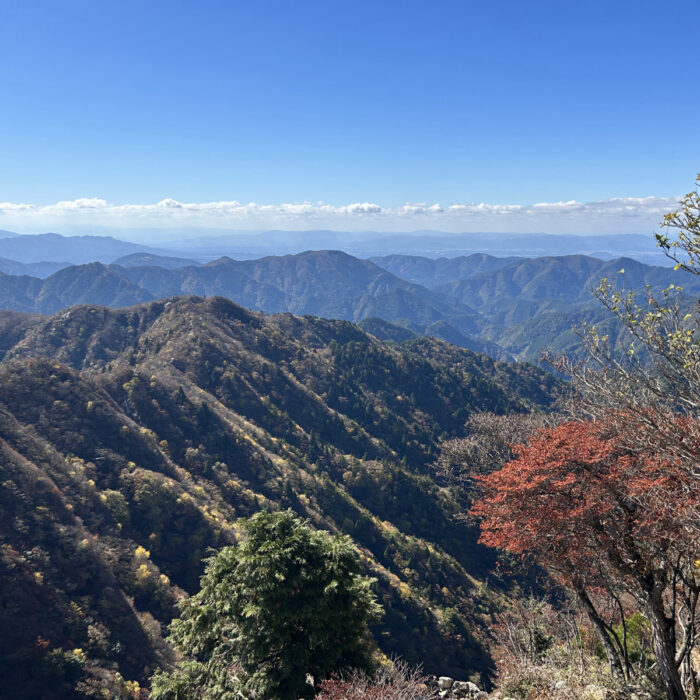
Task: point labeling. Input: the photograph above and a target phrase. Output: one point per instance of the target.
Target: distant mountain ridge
(210, 244)
(34, 248)
(505, 307)
(431, 244)
(151, 260)
(432, 272)
(36, 269)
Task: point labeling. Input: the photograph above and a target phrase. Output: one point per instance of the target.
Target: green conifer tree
(287, 602)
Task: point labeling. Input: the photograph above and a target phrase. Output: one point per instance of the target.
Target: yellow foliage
(39, 577)
(133, 688)
(142, 573)
(141, 553)
(382, 658)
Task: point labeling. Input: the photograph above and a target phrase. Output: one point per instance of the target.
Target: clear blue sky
(340, 101)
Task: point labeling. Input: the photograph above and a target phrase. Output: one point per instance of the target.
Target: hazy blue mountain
(507, 308)
(151, 260)
(432, 244)
(435, 245)
(324, 283)
(18, 292)
(215, 243)
(242, 245)
(74, 249)
(39, 269)
(12, 267)
(431, 272)
(45, 268)
(566, 279)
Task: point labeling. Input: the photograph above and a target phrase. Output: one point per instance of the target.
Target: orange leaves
(576, 499)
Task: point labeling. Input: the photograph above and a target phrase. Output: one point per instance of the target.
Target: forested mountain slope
(432, 272)
(506, 307)
(331, 284)
(132, 440)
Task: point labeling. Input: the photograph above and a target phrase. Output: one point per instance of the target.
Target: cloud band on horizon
(616, 214)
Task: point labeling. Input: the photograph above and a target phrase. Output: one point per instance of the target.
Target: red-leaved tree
(578, 502)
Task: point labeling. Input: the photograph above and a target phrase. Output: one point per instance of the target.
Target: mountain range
(210, 244)
(509, 308)
(53, 247)
(133, 439)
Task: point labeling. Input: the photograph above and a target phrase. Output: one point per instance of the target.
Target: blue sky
(125, 104)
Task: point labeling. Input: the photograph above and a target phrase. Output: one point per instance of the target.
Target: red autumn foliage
(573, 494)
(600, 516)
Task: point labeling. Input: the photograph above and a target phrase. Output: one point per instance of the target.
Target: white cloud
(616, 214)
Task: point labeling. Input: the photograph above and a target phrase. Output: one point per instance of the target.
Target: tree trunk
(604, 634)
(664, 647)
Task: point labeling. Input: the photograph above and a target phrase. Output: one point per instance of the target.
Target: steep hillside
(19, 292)
(93, 283)
(566, 279)
(132, 439)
